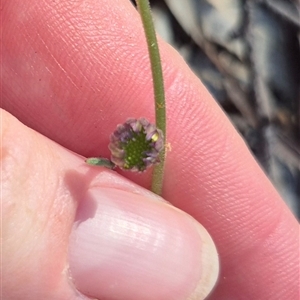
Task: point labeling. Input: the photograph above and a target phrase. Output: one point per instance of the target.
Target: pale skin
(72, 71)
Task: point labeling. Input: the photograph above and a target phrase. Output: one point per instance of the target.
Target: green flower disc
(135, 149)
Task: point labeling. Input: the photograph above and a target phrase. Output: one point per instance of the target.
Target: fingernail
(129, 246)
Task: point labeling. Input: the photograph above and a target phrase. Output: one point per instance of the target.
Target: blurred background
(247, 53)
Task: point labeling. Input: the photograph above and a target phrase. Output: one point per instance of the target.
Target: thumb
(71, 230)
(132, 246)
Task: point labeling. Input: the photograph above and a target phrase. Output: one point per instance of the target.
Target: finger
(125, 242)
(100, 78)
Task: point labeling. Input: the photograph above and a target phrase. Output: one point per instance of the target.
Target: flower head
(136, 144)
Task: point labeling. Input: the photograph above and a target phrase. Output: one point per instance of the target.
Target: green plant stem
(158, 85)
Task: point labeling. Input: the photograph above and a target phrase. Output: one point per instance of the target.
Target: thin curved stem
(158, 85)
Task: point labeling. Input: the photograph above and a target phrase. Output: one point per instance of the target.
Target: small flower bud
(136, 144)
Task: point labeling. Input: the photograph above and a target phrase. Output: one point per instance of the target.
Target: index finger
(74, 70)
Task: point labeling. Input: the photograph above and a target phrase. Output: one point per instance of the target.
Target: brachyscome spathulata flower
(136, 144)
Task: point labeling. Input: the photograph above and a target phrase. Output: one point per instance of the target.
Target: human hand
(72, 71)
